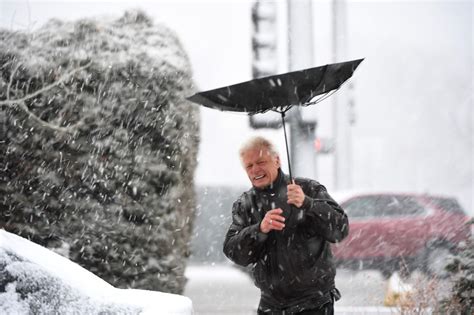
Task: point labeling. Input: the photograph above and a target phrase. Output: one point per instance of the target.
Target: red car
(401, 232)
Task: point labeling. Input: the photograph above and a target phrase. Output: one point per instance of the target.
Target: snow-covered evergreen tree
(98, 146)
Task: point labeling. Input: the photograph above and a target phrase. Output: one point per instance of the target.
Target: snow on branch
(20, 103)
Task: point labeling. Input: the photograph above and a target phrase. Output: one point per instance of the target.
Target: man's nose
(255, 168)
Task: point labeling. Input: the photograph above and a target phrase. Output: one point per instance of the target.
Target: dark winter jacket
(294, 267)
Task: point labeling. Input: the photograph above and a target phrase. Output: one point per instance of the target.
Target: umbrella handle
(286, 143)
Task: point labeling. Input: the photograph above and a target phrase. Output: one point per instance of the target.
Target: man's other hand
(273, 220)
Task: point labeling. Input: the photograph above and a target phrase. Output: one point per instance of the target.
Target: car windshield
(447, 204)
(382, 206)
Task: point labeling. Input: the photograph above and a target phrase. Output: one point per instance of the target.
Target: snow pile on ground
(35, 280)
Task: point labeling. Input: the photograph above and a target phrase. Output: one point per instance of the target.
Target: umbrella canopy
(278, 92)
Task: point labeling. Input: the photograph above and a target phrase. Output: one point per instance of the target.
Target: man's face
(261, 166)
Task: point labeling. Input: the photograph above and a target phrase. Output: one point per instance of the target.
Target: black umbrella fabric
(279, 92)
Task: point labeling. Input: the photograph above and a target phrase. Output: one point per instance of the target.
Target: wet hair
(258, 142)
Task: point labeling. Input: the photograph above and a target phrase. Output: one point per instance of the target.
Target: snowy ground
(223, 289)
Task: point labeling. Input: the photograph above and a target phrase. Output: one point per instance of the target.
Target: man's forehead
(261, 151)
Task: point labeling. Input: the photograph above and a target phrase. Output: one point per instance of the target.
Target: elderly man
(284, 227)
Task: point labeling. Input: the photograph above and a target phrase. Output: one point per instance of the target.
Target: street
(224, 289)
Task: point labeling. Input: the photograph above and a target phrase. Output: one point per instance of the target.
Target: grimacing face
(261, 166)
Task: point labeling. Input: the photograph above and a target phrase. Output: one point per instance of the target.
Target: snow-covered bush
(461, 297)
(98, 146)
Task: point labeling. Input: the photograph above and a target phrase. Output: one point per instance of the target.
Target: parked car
(401, 232)
(36, 280)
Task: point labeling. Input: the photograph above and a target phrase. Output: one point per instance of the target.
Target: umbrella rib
(282, 109)
(322, 98)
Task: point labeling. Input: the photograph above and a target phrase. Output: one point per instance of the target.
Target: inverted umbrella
(279, 92)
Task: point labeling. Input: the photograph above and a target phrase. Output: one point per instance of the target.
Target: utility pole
(264, 51)
(342, 105)
(300, 56)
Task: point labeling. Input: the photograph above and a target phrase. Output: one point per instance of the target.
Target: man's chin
(260, 184)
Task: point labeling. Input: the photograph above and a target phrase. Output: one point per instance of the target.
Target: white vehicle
(36, 280)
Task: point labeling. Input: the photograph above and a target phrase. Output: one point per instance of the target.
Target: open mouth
(259, 177)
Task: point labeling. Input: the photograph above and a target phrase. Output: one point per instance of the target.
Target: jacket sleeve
(244, 242)
(322, 215)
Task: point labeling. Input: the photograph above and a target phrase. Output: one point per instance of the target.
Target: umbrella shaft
(286, 143)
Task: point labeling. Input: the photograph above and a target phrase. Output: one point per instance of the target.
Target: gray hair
(258, 142)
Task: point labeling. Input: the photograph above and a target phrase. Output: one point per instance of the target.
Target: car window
(447, 204)
(382, 206)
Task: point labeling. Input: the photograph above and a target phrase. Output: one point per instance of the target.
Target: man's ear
(278, 161)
